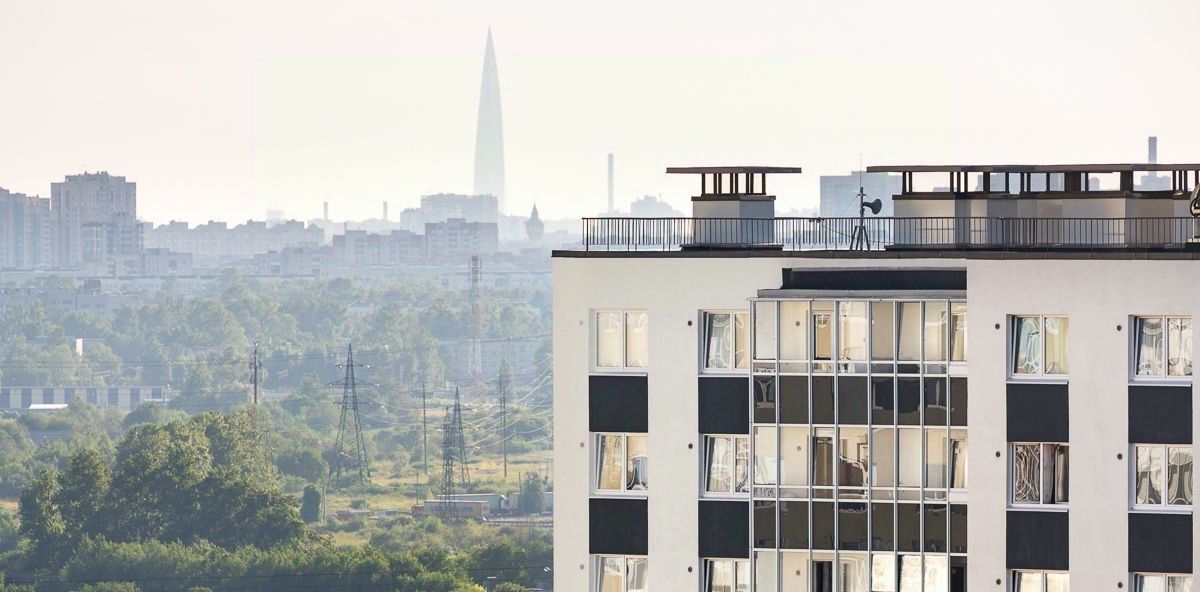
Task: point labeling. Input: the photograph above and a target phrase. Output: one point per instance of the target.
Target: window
(1040, 474)
(621, 462)
(726, 339)
(1162, 347)
(1039, 346)
(1162, 583)
(1040, 581)
(726, 464)
(1162, 476)
(726, 575)
(621, 340)
(620, 574)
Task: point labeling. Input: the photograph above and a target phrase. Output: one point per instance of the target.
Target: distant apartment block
(25, 231)
(219, 240)
(94, 217)
(457, 237)
(839, 193)
(152, 263)
(87, 299)
(358, 247)
(444, 206)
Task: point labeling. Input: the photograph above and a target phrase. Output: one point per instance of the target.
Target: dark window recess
(617, 526)
(958, 528)
(113, 397)
(936, 401)
(764, 524)
(793, 525)
(1160, 543)
(822, 576)
(958, 574)
(5, 399)
(908, 539)
(724, 527)
(1038, 413)
(723, 408)
(908, 401)
(852, 400)
(1160, 414)
(852, 526)
(883, 401)
(883, 532)
(822, 525)
(27, 398)
(1038, 540)
(822, 396)
(876, 279)
(958, 402)
(793, 399)
(935, 528)
(617, 404)
(764, 399)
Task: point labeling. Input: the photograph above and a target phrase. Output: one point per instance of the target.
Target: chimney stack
(325, 216)
(385, 211)
(1153, 142)
(610, 184)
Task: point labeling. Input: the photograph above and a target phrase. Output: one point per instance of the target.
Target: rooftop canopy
(732, 170)
(733, 180)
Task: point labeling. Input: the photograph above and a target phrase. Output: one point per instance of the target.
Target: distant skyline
(224, 110)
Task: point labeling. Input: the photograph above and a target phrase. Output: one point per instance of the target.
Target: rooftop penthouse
(1080, 207)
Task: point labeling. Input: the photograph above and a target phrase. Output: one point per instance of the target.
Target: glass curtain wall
(859, 445)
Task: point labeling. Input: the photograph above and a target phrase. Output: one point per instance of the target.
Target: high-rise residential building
(25, 231)
(489, 131)
(991, 391)
(456, 238)
(440, 207)
(839, 193)
(95, 218)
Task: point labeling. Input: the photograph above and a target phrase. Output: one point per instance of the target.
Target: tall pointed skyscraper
(489, 132)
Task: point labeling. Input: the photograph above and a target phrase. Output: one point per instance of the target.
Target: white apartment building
(993, 393)
(94, 217)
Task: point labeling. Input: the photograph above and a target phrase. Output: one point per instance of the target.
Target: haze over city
(224, 110)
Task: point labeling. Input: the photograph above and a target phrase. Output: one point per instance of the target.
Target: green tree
(310, 505)
(532, 492)
(41, 523)
(83, 495)
(303, 462)
(111, 587)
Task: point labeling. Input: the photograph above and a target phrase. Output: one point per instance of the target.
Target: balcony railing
(829, 234)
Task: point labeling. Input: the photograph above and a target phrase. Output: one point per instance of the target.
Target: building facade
(25, 231)
(94, 218)
(943, 411)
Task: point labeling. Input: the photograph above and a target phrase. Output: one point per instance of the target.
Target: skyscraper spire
(489, 132)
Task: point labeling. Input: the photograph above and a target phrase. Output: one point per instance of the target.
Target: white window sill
(620, 371)
(1160, 381)
(1160, 510)
(1038, 507)
(717, 497)
(1040, 379)
(641, 494)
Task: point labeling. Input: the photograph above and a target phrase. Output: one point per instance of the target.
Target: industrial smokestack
(610, 183)
(1153, 142)
(385, 211)
(325, 216)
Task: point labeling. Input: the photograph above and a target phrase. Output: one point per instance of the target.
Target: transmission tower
(255, 368)
(350, 449)
(475, 364)
(454, 454)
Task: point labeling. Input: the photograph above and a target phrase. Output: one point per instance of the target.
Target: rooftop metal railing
(827, 234)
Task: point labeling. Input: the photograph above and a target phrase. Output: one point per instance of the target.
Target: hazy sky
(223, 109)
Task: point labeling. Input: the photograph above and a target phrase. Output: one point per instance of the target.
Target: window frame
(594, 349)
(1041, 375)
(625, 461)
(706, 571)
(704, 467)
(1163, 507)
(1042, 505)
(598, 569)
(749, 347)
(1167, 577)
(1012, 576)
(1134, 350)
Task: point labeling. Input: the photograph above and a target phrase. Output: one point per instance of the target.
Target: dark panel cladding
(874, 279)
(1038, 540)
(1038, 413)
(1160, 414)
(724, 405)
(617, 404)
(724, 529)
(617, 526)
(1160, 543)
(793, 399)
